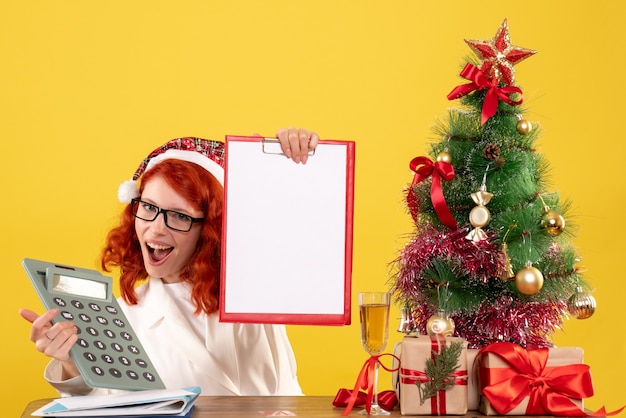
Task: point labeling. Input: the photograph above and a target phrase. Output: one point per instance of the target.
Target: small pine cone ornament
(491, 152)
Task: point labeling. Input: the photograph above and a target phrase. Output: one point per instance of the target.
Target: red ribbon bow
(387, 399)
(423, 167)
(366, 381)
(549, 388)
(480, 81)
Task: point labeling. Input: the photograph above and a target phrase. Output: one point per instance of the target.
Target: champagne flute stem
(375, 401)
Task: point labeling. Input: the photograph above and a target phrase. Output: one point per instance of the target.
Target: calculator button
(141, 363)
(97, 370)
(115, 373)
(124, 360)
(126, 336)
(119, 322)
(132, 374)
(149, 376)
(111, 310)
(82, 342)
(77, 304)
(109, 333)
(84, 317)
(67, 315)
(59, 302)
(100, 344)
(94, 307)
(117, 347)
(102, 320)
(133, 349)
(107, 359)
(89, 356)
(92, 331)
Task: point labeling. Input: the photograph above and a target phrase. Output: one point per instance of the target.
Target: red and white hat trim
(206, 153)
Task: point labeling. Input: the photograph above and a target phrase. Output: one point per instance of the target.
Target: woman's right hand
(297, 143)
(54, 340)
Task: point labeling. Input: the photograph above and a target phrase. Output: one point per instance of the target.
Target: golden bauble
(440, 324)
(581, 305)
(445, 156)
(529, 280)
(524, 127)
(553, 222)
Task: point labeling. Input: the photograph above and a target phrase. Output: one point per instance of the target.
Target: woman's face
(166, 251)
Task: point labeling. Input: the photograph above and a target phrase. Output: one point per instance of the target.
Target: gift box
(473, 392)
(422, 393)
(542, 381)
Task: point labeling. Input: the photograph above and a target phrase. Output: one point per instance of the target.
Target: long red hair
(204, 193)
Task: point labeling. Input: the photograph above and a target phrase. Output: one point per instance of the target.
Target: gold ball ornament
(445, 156)
(524, 127)
(581, 305)
(440, 324)
(528, 280)
(553, 222)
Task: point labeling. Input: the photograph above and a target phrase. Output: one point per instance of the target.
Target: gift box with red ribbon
(542, 381)
(421, 394)
(473, 393)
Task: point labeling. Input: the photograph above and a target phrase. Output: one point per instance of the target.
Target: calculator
(108, 353)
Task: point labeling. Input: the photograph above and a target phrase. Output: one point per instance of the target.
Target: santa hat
(206, 153)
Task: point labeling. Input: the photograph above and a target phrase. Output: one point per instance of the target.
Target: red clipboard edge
(297, 319)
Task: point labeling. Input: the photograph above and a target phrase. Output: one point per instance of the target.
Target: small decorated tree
(491, 258)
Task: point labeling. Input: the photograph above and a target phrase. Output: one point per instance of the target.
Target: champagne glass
(374, 318)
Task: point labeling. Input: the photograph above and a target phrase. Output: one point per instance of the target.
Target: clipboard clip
(272, 146)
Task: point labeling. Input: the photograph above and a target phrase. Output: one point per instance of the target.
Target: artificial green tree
(491, 258)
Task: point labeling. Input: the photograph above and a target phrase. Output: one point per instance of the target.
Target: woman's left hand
(296, 143)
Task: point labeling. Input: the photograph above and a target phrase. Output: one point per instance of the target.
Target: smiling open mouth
(158, 252)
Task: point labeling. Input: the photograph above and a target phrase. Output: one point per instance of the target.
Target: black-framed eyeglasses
(174, 220)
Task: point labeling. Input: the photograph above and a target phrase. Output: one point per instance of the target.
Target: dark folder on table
(287, 238)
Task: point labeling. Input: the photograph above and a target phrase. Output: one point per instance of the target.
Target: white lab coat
(235, 359)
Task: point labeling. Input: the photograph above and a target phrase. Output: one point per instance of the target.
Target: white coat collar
(217, 352)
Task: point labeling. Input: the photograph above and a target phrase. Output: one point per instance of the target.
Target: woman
(170, 234)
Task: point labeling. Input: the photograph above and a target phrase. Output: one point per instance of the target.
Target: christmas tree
(490, 258)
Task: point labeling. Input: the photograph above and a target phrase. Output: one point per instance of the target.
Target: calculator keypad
(107, 345)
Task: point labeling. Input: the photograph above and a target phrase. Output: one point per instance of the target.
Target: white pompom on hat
(206, 153)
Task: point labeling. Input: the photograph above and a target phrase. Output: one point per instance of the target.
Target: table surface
(264, 406)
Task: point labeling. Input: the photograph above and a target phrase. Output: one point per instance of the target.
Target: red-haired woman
(169, 281)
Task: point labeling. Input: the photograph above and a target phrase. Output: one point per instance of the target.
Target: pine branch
(439, 370)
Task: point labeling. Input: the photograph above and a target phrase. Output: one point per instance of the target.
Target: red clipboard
(287, 234)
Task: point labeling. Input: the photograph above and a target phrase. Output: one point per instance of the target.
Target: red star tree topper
(499, 56)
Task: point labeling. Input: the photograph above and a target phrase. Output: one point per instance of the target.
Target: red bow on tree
(480, 81)
(423, 167)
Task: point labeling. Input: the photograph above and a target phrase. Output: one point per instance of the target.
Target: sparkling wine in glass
(374, 318)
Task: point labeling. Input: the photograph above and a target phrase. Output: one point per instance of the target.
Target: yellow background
(89, 88)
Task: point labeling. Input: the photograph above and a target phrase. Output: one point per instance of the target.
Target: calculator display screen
(79, 287)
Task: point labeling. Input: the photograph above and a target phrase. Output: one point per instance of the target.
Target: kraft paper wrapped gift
(414, 353)
(516, 381)
(473, 394)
